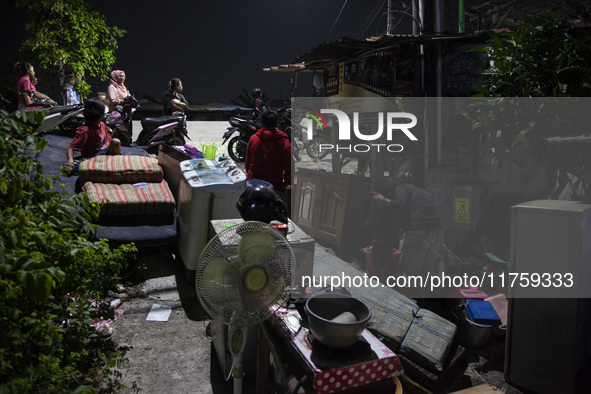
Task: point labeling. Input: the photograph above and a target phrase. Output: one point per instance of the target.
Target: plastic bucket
(258, 182)
(471, 334)
(209, 151)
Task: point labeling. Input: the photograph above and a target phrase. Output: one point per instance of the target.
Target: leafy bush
(50, 270)
(546, 56)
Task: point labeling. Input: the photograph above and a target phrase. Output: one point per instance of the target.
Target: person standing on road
(173, 100)
(259, 105)
(304, 123)
(268, 154)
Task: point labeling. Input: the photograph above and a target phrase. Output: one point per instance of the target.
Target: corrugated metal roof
(348, 48)
(492, 14)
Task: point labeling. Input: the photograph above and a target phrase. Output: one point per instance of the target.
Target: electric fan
(243, 276)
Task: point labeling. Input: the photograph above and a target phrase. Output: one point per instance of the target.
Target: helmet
(256, 93)
(262, 204)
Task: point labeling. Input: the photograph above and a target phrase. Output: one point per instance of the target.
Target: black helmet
(256, 93)
(262, 204)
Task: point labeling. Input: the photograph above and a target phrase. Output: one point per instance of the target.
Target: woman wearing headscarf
(117, 90)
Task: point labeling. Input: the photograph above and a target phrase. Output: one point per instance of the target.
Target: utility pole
(416, 16)
(461, 17)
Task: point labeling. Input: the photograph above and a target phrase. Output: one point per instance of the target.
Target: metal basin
(322, 309)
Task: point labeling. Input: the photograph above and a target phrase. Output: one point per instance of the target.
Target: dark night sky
(217, 48)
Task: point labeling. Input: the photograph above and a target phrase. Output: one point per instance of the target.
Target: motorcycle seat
(245, 123)
(150, 123)
(63, 109)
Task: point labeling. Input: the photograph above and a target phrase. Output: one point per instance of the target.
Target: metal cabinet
(549, 339)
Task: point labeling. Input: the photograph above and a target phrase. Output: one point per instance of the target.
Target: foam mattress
(120, 169)
(131, 199)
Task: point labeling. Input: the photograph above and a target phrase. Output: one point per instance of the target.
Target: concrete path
(171, 356)
(200, 133)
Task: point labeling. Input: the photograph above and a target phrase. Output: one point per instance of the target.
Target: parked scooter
(237, 145)
(120, 120)
(285, 125)
(4, 103)
(320, 137)
(66, 118)
(169, 129)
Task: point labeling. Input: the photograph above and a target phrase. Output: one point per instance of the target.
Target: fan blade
(210, 282)
(244, 273)
(256, 247)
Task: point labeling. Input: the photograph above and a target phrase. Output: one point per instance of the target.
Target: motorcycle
(285, 125)
(169, 129)
(237, 145)
(119, 120)
(4, 103)
(313, 148)
(66, 118)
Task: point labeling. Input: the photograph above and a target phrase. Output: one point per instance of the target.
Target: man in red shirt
(93, 138)
(268, 154)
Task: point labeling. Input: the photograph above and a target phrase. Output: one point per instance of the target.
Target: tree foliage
(50, 269)
(545, 59)
(70, 40)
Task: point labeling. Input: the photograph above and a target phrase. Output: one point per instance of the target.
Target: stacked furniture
(136, 203)
(424, 341)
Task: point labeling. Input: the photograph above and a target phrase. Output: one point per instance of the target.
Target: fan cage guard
(222, 269)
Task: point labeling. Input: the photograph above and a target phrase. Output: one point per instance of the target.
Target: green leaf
(38, 286)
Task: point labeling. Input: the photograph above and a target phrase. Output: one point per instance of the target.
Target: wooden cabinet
(332, 208)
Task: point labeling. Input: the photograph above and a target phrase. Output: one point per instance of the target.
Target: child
(92, 139)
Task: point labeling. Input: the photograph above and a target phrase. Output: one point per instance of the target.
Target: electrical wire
(336, 20)
(400, 19)
(368, 22)
(364, 26)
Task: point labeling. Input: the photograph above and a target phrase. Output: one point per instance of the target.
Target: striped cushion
(131, 199)
(120, 169)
